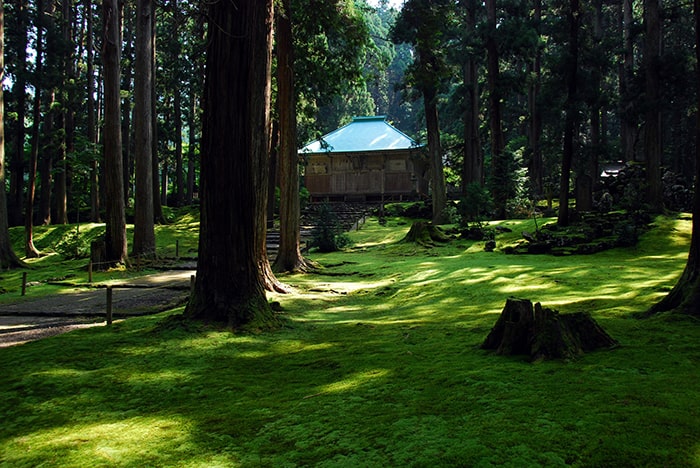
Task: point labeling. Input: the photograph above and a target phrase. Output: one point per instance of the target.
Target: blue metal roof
(362, 134)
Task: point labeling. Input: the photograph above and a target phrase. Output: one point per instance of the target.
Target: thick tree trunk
(685, 295)
(229, 288)
(115, 235)
(7, 255)
(289, 256)
(144, 229)
(542, 333)
(574, 15)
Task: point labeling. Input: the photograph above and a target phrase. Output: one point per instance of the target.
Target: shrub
(327, 234)
(73, 245)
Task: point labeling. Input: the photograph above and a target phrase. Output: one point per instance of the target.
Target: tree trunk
(535, 127)
(229, 288)
(289, 256)
(571, 109)
(126, 103)
(628, 128)
(498, 164)
(46, 166)
(473, 171)
(7, 255)
(685, 295)
(157, 205)
(191, 153)
(30, 251)
(91, 121)
(652, 126)
(16, 198)
(144, 229)
(115, 234)
(542, 333)
(437, 173)
(68, 120)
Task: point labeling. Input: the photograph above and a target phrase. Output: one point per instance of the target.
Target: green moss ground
(378, 366)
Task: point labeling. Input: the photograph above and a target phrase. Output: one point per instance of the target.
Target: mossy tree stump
(543, 333)
(425, 233)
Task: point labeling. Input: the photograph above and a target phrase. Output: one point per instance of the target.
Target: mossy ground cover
(379, 365)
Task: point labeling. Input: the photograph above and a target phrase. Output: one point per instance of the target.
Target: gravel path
(29, 320)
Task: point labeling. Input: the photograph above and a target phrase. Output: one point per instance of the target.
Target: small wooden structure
(366, 160)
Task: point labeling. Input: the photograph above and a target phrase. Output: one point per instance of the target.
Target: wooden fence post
(24, 283)
(109, 306)
(90, 272)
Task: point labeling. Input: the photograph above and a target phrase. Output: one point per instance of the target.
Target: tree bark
(229, 288)
(289, 256)
(8, 258)
(115, 219)
(574, 15)
(144, 229)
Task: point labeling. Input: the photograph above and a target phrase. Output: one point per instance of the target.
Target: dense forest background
(533, 97)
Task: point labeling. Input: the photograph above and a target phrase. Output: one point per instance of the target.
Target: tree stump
(425, 233)
(543, 333)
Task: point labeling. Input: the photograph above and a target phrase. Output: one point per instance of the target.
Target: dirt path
(29, 320)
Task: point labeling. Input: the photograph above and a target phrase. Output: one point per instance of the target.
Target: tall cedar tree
(7, 255)
(685, 295)
(289, 256)
(473, 171)
(499, 165)
(422, 24)
(30, 251)
(574, 18)
(230, 285)
(144, 231)
(115, 218)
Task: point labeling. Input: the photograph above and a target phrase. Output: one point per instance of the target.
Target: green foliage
(475, 204)
(327, 234)
(73, 245)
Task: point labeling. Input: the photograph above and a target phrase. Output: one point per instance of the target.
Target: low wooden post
(24, 283)
(90, 272)
(108, 312)
(193, 279)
